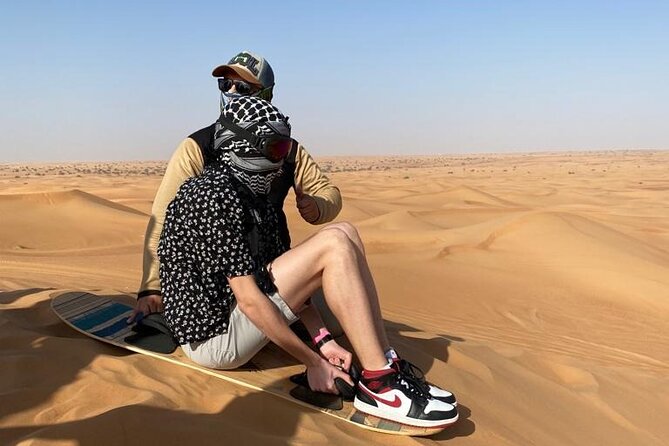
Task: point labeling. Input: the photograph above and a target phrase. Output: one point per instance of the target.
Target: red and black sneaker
(435, 392)
(397, 396)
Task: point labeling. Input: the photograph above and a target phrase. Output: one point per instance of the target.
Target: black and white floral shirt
(205, 239)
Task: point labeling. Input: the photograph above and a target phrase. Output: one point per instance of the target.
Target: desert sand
(535, 286)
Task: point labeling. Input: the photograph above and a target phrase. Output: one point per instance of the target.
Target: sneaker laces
(413, 385)
(415, 373)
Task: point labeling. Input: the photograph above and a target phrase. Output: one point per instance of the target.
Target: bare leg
(352, 234)
(332, 259)
(329, 319)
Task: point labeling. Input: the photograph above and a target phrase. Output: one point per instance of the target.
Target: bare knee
(351, 232)
(337, 243)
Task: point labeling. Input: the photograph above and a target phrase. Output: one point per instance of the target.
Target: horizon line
(393, 155)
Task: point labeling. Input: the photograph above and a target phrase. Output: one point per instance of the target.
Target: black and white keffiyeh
(246, 163)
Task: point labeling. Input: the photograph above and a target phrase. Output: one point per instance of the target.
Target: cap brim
(226, 70)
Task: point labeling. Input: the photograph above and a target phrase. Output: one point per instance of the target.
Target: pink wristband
(323, 332)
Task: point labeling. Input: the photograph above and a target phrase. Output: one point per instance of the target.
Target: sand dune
(69, 220)
(399, 221)
(534, 286)
(462, 196)
(72, 199)
(567, 234)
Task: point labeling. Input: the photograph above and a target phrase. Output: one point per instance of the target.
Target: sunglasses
(273, 147)
(242, 87)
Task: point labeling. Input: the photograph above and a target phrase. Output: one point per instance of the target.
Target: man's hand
(147, 305)
(336, 355)
(307, 206)
(321, 377)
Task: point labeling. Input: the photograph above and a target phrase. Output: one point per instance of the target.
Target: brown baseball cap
(250, 67)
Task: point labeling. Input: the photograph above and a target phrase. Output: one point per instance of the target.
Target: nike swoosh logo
(397, 402)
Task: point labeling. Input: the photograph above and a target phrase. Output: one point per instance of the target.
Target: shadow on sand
(35, 341)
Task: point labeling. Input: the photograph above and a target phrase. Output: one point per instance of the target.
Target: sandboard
(104, 318)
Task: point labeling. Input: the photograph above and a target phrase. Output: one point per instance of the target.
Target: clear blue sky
(122, 80)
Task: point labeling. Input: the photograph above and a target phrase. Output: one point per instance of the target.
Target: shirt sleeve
(313, 182)
(186, 162)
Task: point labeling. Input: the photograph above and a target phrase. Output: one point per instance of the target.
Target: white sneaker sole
(375, 411)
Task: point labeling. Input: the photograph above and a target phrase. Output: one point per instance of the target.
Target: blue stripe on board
(117, 326)
(99, 316)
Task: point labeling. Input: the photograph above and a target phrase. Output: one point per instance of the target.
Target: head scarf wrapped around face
(247, 164)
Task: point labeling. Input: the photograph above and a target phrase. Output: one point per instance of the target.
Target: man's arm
(186, 162)
(266, 316)
(330, 350)
(318, 200)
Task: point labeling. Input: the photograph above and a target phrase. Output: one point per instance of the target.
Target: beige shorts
(242, 341)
